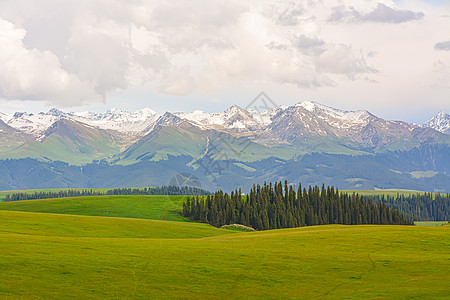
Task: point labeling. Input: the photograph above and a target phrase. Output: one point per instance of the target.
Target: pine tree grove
(163, 190)
(274, 206)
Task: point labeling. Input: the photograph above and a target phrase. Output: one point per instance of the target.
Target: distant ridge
(234, 118)
(308, 140)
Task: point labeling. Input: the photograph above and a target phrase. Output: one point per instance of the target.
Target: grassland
(324, 261)
(431, 223)
(143, 207)
(31, 191)
(66, 254)
(361, 192)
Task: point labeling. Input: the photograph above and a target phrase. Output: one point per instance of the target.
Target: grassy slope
(71, 142)
(431, 223)
(39, 224)
(144, 207)
(65, 256)
(325, 261)
(31, 191)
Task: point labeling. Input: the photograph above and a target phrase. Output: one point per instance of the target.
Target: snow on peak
(235, 117)
(308, 105)
(55, 112)
(354, 116)
(119, 119)
(4, 117)
(117, 114)
(440, 122)
(34, 124)
(235, 109)
(146, 111)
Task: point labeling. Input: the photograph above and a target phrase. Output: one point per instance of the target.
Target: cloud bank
(381, 14)
(445, 46)
(76, 52)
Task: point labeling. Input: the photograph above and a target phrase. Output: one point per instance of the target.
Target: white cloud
(385, 14)
(33, 74)
(182, 47)
(78, 51)
(382, 13)
(341, 60)
(445, 46)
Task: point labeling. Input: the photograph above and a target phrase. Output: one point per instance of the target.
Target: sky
(391, 58)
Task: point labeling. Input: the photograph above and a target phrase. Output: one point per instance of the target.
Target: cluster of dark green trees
(163, 190)
(271, 207)
(419, 207)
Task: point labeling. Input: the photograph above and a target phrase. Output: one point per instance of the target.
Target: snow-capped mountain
(440, 122)
(238, 119)
(120, 120)
(35, 124)
(305, 141)
(310, 125)
(234, 118)
(306, 125)
(309, 118)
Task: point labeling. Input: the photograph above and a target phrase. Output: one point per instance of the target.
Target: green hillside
(31, 191)
(47, 256)
(143, 207)
(71, 142)
(40, 224)
(165, 141)
(197, 143)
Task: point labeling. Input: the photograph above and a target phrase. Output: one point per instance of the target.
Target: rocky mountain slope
(308, 141)
(440, 122)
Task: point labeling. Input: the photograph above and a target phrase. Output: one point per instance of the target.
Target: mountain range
(307, 141)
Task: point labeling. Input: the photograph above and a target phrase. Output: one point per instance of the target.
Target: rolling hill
(50, 256)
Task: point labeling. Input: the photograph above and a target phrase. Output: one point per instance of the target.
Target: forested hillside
(419, 207)
(272, 207)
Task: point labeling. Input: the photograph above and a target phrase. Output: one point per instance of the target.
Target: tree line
(419, 207)
(272, 207)
(163, 190)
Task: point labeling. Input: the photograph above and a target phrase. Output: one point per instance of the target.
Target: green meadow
(431, 223)
(31, 191)
(141, 249)
(143, 207)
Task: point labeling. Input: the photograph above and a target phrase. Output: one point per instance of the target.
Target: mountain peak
(55, 112)
(440, 122)
(19, 114)
(168, 119)
(442, 114)
(311, 106)
(234, 109)
(147, 111)
(117, 110)
(308, 105)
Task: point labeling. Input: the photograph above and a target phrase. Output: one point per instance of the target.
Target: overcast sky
(389, 57)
